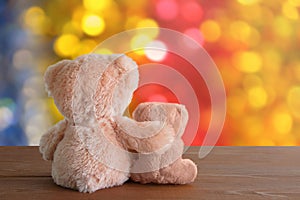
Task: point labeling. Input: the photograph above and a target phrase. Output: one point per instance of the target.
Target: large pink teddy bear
(95, 146)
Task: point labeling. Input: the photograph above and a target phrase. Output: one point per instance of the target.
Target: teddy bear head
(101, 85)
(172, 114)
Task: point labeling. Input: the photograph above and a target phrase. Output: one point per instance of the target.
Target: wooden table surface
(226, 173)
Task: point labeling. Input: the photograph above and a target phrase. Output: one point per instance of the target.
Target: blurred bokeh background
(254, 43)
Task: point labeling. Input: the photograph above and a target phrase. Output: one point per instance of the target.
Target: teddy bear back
(115, 87)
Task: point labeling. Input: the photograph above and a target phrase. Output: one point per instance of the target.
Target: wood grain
(226, 173)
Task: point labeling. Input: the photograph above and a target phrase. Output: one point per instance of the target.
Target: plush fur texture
(170, 167)
(94, 146)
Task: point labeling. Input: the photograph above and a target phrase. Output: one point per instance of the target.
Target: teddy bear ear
(51, 75)
(127, 82)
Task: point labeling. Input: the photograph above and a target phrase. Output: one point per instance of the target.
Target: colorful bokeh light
(254, 43)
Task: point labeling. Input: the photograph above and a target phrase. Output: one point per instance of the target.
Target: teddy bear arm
(51, 138)
(143, 137)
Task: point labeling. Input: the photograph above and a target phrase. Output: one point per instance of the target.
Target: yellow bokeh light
(282, 122)
(288, 140)
(252, 12)
(92, 25)
(36, 20)
(236, 103)
(297, 71)
(131, 22)
(64, 45)
(242, 31)
(282, 27)
(248, 61)
(96, 5)
(211, 30)
(293, 99)
(103, 51)
(84, 47)
(139, 42)
(265, 142)
(272, 60)
(33, 15)
(57, 115)
(290, 11)
(148, 23)
(294, 2)
(248, 2)
(257, 97)
(254, 126)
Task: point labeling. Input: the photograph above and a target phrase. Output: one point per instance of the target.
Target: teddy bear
(95, 146)
(168, 166)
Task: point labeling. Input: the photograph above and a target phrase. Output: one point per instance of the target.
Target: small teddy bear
(95, 146)
(171, 168)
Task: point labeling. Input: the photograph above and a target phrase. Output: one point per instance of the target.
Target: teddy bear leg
(168, 167)
(95, 182)
(182, 171)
